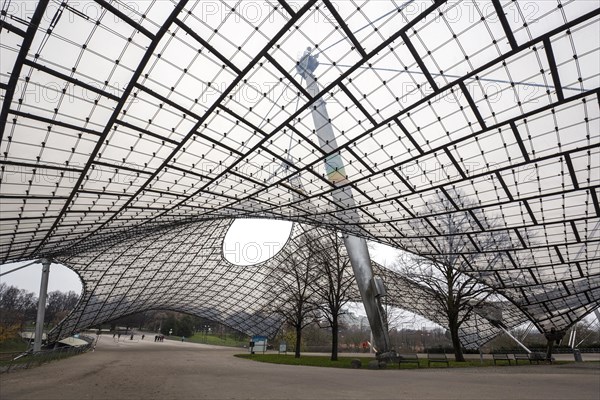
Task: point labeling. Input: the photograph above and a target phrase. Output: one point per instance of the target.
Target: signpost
(282, 348)
(258, 343)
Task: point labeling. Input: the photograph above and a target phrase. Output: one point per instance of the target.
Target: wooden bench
(522, 357)
(537, 357)
(501, 357)
(437, 358)
(408, 359)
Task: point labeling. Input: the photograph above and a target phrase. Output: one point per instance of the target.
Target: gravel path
(175, 370)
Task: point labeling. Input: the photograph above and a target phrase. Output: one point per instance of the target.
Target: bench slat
(437, 358)
(501, 357)
(521, 357)
(408, 358)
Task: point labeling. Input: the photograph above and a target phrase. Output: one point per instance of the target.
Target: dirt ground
(174, 370)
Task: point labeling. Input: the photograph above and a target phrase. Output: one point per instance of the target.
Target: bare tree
(59, 304)
(336, 283)
(451, 289)
(294, 282)
(394, 316)
(17, 306)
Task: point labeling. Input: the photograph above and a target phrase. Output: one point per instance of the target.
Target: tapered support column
(358, 251)
(39, 323)
(361, 265)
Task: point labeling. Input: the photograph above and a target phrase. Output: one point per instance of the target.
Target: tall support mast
(370, 287)
(41, 311)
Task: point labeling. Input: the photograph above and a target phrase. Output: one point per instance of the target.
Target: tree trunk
(334, 340)
(458, 354)
(298, 341)
(549, 349)
(551, 337)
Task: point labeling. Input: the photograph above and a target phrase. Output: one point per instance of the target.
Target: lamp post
(473, 303)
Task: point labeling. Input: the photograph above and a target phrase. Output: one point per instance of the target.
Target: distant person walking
(365, 346)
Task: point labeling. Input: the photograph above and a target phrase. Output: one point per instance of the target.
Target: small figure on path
(365, 346)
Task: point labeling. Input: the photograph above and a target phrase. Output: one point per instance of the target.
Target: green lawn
(13, 345)
(344, 362)
(214, 340)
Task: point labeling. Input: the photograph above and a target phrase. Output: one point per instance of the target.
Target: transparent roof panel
(116, 115)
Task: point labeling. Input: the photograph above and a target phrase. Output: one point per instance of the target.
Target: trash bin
(577, 355)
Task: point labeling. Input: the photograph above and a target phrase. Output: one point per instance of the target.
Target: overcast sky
(61, 278)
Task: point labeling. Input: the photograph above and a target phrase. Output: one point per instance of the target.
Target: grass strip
(344, 362)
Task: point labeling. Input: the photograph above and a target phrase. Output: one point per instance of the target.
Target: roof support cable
(530, 84)
(21, 267)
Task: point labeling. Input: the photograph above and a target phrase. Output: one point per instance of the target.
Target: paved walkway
(174, 370)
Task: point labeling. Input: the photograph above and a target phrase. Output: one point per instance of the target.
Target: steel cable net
(126, 116)
(182, 268)
(179, 268)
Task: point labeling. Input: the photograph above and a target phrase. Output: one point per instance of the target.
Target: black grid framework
(182, 267)
(122, 115)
